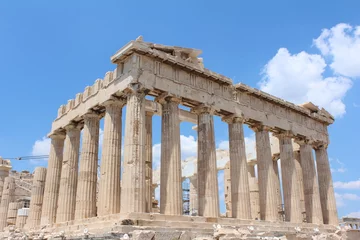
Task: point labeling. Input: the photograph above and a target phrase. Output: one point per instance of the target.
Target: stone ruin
(65, 202)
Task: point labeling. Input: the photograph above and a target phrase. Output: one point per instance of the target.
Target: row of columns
(77, 191)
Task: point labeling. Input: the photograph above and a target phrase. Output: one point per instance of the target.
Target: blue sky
(51, 50)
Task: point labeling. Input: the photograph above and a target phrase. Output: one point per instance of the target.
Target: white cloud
(347, 185)
(341, 198)
(354, 215)
(340, 168)
(41, 147)
(299, 78)
(342, 44)
(250, 146)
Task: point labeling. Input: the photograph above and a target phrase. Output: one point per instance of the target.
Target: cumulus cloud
(342, 198)
(354, 215)
(342, 44)
(41, 147)
(337, 166)
(347, 185)
(299, 78)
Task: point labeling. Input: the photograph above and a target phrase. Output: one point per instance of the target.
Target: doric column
(87, 180)
(240, 193)
(110, 187)
(227, 190)
(266, 174)
(291, 191)
(193, 195)
(37, 194)
(12, 212)
(170, 172)
(22, 215)
(69, 174)
(310, 183)
(148, 152)
(254, 191)
(133, 178)
(52, 183)
(327, 196)
(7, 197)
(279, 206)
(299, 182)
(206, 168)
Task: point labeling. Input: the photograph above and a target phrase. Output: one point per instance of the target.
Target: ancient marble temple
(176, 76)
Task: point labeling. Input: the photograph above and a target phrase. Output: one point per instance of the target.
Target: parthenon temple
(70, 197)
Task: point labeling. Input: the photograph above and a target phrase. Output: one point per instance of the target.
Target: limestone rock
(143, 235)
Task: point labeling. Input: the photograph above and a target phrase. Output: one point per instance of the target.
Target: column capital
(203, 108)
(57, 135)
(91, 114)
(167, 97)
(276, 156)
(258, 127)
(135, 88)
(320, 145)
(113, 101)
(304, 141)
(234, 118)
(72, 126)
(284, 134)
(147, 113)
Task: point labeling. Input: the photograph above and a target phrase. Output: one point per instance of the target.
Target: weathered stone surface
(133, 182)
(143, 235)
(6, 198)
(37, 194)
(52, 182)
(254, 191)
(69, 175)
(87, 178)
(149, 156)
(109, 187)
(170, 179)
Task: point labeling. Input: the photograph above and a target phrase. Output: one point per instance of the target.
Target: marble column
(266, 174)
(37, 196)
(254, 191)
(279, 203)
(240, 193)
(227, 190)
(291, 190)
(300, 182)
(21, 218)
(8, 196)
(310, 182)
(1, 186)
(69, 173)
(12, 212)
(170, 171)
(110, 186)
(326, 189)
(133, 178)
(87, 179)
(193, 196)
(208, 197)
(148, 152)
(52, 183)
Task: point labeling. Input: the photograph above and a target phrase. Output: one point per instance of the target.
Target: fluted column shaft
(299, 182)
(227, 190)
(7, 197)
(311, 187)
(254, 192)
(291, 191)
(133, 178)
(12, 212)
(170, 172)
(278, 188)
(69, 175)
(87, 180)
(193, 195)
(240, 193)
(52, 183)
(109, 188)
(327, 196)
(266, 174)
(206, 168)
(37, 196)
(148, 149)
